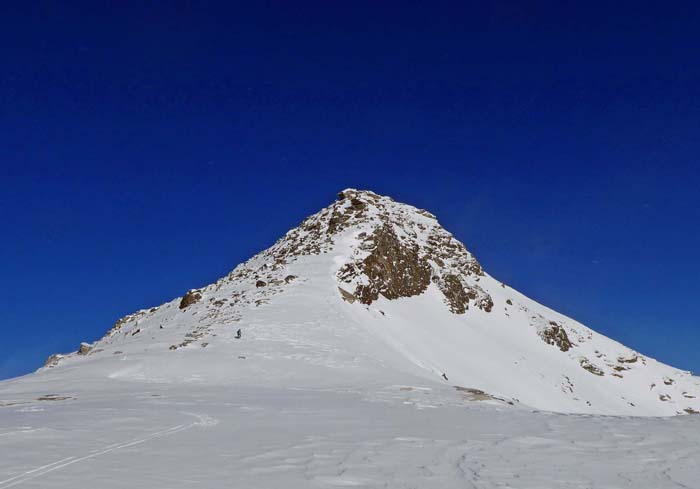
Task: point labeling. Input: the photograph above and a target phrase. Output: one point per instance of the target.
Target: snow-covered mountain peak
(369, 291)
(390, 249)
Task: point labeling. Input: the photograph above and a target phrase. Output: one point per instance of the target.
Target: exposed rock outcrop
(404, 254)
(455, 295)
(587, 365)
(191, 297)
(556, 335)
(393, 269)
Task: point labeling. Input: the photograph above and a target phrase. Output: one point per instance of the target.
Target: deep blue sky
(145, 150)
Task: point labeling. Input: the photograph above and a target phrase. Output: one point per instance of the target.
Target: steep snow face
(367, 293)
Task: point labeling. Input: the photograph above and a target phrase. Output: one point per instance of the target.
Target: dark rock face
(394, 269)
(456, 296)
(260, 283)
(192, 297)
(84, 349)
(357, 204)
(403, 265)
(341, 218)
(442, 247)
(484, 302)
(556, 335)
(397, 266)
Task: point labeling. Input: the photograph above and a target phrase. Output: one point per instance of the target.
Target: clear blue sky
(145, 150)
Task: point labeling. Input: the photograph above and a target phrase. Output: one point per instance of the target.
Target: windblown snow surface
(375, 352)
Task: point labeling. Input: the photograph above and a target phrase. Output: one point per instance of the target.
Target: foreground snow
(120, 435)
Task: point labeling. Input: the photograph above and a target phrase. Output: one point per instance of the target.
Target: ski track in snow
(202, 420)
(307, 438)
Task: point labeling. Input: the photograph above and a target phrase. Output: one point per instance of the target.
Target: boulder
(191, 297)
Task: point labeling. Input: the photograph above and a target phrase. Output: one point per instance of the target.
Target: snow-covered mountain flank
(372, 292)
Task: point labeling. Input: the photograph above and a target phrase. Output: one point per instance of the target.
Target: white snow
(124, 434)
(320, 392)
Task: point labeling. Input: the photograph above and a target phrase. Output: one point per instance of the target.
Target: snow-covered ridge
(372, 290)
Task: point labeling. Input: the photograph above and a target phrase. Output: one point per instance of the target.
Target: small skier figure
(238, 334)
(444, 376)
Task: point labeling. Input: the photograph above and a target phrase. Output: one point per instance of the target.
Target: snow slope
(375, 352)
(367, 290)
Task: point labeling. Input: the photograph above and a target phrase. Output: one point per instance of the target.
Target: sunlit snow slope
(366, 292)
